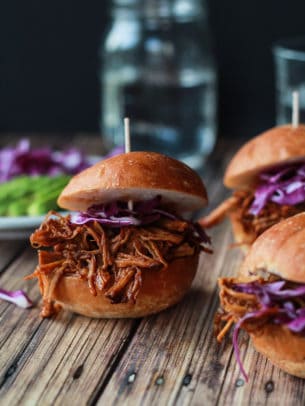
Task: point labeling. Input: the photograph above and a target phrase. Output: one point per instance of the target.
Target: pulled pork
(111, 260)
(252, 304)
(271, 214)
(240, 203)
(235, 305)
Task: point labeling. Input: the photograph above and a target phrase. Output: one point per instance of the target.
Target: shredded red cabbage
(117, 214)
(18, 297)
(275, 302)
(237, 327)
(285, 185)
(25, 160)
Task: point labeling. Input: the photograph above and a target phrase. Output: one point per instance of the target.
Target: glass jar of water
(158, 70)
(289, 58)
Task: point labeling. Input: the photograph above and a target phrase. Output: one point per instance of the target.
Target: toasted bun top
(280, 145)
(135, 176)
(280, 250)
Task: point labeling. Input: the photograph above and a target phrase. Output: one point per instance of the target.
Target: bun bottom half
(286, 350)
(160, 290)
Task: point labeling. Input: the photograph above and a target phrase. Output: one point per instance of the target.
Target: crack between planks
(224, 379)
(84, 362)
(46, 359)
(10, 371)
(211, 304)
(95, 397)
(232, 355)
(211, 307)
(14, 364)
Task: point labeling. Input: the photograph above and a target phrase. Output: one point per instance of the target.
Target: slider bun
(280, 145)
(135, 176)
(283, 348)
(280, 250)
(160, 290)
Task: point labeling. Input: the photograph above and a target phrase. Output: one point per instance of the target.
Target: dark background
(49, 64)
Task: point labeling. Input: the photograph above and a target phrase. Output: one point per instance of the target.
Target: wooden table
(167, 359)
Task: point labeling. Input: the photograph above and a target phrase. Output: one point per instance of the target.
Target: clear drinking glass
(289, 57)
(158, 70)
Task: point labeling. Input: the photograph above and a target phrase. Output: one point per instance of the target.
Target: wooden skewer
(295, 109)
(127, 148)
(127, 134)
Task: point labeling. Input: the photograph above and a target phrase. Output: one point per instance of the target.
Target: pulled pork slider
(268, 176)
(267, 299)
(126, 250)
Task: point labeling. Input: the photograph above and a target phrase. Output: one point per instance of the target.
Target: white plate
(18, 223)
(16, 228)
(24, 222)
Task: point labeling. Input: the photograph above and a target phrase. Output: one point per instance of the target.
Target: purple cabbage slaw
(276, 296)
(284, 186)
(117, 214)
(18, 297)
(25, 160)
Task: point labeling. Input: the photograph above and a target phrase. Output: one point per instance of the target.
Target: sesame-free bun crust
(135, 176)
(284, 349)
(279, 250)
(160, 290)
(277, 146)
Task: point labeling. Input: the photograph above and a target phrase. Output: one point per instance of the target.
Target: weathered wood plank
(16, 324)
(267, 384)
(53, 361)
(71, 358)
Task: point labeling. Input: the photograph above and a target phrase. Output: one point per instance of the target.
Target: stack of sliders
(268, 178)
(267, 299)
(126, 250)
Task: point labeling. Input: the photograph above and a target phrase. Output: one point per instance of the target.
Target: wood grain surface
(168, 359)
